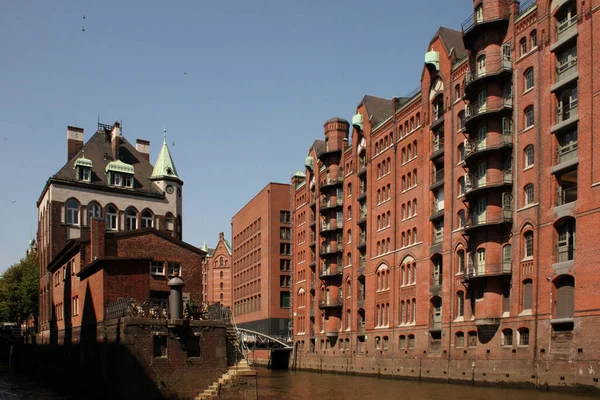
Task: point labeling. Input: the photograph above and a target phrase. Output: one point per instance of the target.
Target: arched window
(94, 211)
(565, 293)
(349, 288)
(529, 119)
(411, 341)
(169, 221)
(460, 339)
(111, 218)
(221, 274)
(457, 94)
(523, 336)
(479, 13)
(528, 79)
(528, 156)
(460, 304)
(507, 337)
(527, 294)
(72, 211)
(221, 285)
(523, 46)
(460, 121)
(460, 260)
(481, 65)
(418, 119)
(220, 261)
(147, 219)
(566, 240)
(507, 258)
(438, 270)
(533, 39)
(529, 194)
(462, 219)
(528, 244)
(130, 219)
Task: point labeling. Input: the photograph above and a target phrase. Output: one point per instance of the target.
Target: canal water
(294, 385)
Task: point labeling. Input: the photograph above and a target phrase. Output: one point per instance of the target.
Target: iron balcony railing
(362, 166)
(490, 217)
(330, 249)
(362, 264)
(490, 105)
(566, 70)
(566, 28)
(438, 144)
(475, 270)
(437, 176)
(332, 226)
(333, 180)
(437, 279)
(491, 142)
(564, 112)
(489, 11)
(159, 309)
(565, 253)
(361, 329)
(437, 206)
(330, 271)
(331, 303)
(438, 236)
(438, 113)
(566, 153)
(331, 203)
(494, 64)
(566, 195)
(362, 240)
(363, 213)
(490, 179)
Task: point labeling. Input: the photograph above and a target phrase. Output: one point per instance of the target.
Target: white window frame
(157, 268)
(172, 267)
(72, 214)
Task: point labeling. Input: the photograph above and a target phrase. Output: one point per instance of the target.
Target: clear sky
(243, 88)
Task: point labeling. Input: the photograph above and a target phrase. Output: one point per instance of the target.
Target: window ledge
(528, 206)
(528, 167)
(525, 313)
(529, 90)
(528, 128)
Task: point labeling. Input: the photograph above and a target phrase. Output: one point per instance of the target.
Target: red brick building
(111, 179)
(262, 253)
(439, 239)
(216, 272)
(93, 271)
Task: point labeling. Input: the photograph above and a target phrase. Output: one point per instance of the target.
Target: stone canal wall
(556, 375)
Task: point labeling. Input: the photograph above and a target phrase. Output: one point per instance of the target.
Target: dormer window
(83, 169)
(120, 174)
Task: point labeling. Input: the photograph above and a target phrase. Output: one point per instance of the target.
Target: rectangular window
(116, 179)
(285, 265)
(174, 267)
(75, 305)
(193, 346)
(284, 280)
(285, 249)
(284, 217)
(159, 346)
(285, 300)
(86, 174)
(129, 181)
(285, 233)
(157, 268)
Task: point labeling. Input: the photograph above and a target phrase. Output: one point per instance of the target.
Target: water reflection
(293, 385)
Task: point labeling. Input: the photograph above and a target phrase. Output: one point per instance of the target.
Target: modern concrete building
(262, 253)
(435, 234)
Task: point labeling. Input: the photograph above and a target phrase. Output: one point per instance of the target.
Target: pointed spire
(164, 167)
(204, 247)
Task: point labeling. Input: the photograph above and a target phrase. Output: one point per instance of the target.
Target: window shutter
(527, 295)
(564, 301)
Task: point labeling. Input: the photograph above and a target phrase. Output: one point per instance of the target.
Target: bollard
(175, 297)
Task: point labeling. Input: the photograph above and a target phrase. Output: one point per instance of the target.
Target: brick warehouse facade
(216, 272)
(261, 276)
(440, 241)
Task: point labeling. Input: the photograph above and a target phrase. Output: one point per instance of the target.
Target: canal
(294, 385)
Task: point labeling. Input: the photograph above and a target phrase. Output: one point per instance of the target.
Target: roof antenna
(165, 136)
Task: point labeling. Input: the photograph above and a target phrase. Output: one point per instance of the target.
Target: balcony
(362, 241)
(566, 115)
(312, 283)
(362, 264)
(566, 195)
(361, 329)
(328, 151)
(565, 253)
(362, 167)
(486, 218)
(362, 217)
(566, 158)
(565, 74)
(313, 243)
(490, 143)
(565, 32)
(437, 178)
(437, 210)
(495, 65)
(474, 112)
(331, 303)
(492, 15)
(330, 227)
(313, 222)
(332, 180)
(487, 269)
(490, 180)
(438, 236)
(331, 249)
(313, 263)
(437, 147)
(327, 204)
(362, 194)
(328, 271)
(437, 118)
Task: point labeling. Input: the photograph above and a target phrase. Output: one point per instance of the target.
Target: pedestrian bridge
(257, 340)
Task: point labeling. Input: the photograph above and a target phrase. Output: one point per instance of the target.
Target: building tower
(164, 175)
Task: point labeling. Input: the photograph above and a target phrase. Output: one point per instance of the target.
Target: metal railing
(565, 253)
(491, 179)
(475, 269)
(337, 302)
(437, 176)
(564, 112)
(328, 270)
(333, 180)
(491, 105)
(331, 203)
(498, 10)
(362, 213)
(437, 206)
(566, 195)
(566, 27)
(331, 248)
(438, 236)
(490, 143)
(438, 143)
(567, 69)
(494, 63)
(566, 153)
(159, 309)
(490, 217)
(332, 226)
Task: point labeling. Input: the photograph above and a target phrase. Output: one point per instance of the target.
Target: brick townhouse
(450, 233)
(216, 272)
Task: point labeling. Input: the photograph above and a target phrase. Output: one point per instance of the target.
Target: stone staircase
(241, 368)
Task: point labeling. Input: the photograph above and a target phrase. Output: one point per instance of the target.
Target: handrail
(499, 10)
(494, 63)
(562, 28)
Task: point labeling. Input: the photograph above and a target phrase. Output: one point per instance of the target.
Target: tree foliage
(19, 290)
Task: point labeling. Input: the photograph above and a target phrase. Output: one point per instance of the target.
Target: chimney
(115, 138)
(97, 231)
(74, 141)
(221, 236)
(143, 147)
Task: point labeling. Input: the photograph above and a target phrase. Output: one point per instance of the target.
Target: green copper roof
(227, 246)
(119, 166)
(299, 174)
(83, 162)
(204, 247)
(164, 167)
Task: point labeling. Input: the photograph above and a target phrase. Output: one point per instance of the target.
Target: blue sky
(243, 88)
